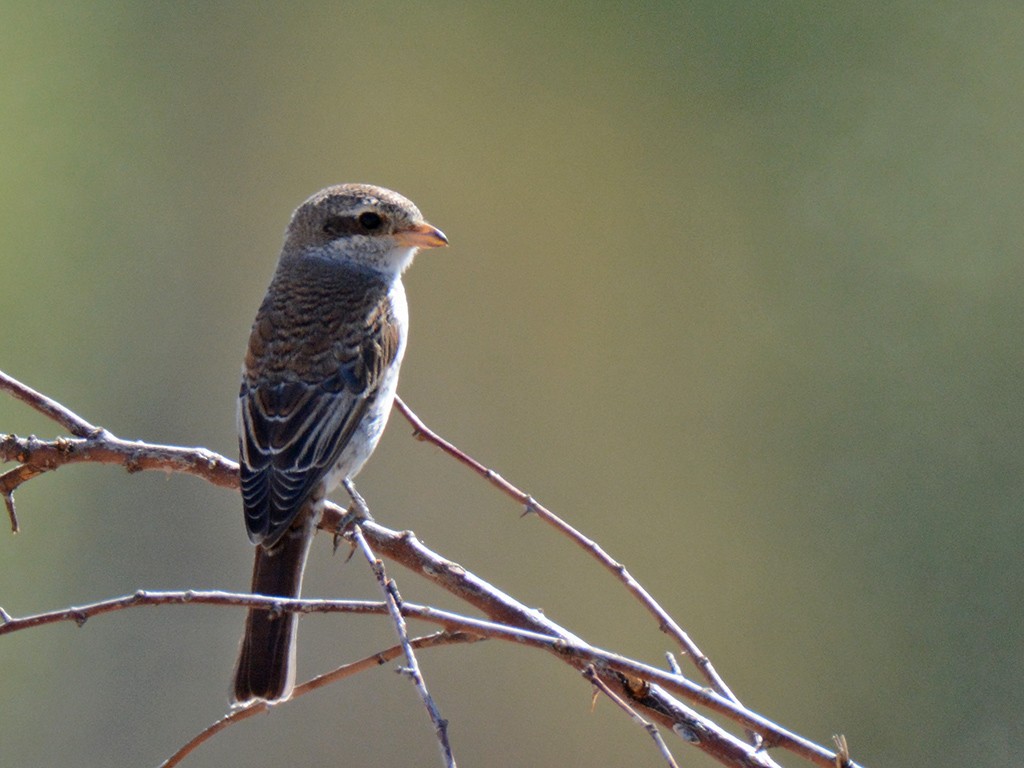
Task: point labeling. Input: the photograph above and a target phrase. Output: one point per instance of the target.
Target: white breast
(367, 434)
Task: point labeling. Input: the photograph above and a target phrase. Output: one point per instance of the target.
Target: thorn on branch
(5, 617)
(529, 506)
(673, 664)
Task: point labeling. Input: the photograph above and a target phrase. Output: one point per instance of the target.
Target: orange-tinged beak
(421, 236)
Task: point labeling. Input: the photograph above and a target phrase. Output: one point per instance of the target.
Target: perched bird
(318, 383)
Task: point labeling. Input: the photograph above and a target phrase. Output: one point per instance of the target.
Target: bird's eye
(370, 221)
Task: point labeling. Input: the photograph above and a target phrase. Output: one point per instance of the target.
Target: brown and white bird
(318, 383)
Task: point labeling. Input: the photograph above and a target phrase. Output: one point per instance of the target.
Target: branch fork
(647, 694)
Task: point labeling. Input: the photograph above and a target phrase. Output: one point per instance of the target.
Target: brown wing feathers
(295, 423)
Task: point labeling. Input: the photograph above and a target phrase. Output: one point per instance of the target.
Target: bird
(318, 382)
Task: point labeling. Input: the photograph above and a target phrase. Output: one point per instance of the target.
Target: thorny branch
(346, 670)
(647, 689)
(666, 623)
(412, 669)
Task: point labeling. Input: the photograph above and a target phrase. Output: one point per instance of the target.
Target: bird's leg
(357, 512)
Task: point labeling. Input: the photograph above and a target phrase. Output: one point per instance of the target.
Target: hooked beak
(421, 236)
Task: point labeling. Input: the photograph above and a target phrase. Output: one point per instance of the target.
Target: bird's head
(367, 225)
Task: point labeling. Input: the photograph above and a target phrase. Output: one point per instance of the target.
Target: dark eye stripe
(366, 222)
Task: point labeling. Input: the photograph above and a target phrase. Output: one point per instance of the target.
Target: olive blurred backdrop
(733, 287)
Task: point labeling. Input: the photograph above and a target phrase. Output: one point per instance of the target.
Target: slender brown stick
(80, 614)
(134, 456)
(407, 550)
(646, 687)
(346, 670)
(665, 622)
(71, 421)
(393, 600)
(556, 641)
(39, 456)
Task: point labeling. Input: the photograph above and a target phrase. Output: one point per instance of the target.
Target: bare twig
(134, 456)
(665, 622)
(80, 614)
(646, 687)
(71, 421)
(556, 641)
(38, 456)
(412, 669)
(346, 670)
(652, 730)
(8, 482)
(407, 550)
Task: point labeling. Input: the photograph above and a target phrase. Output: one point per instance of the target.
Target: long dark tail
(266, 661)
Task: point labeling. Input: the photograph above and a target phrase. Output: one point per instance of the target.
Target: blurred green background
(733, 287)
